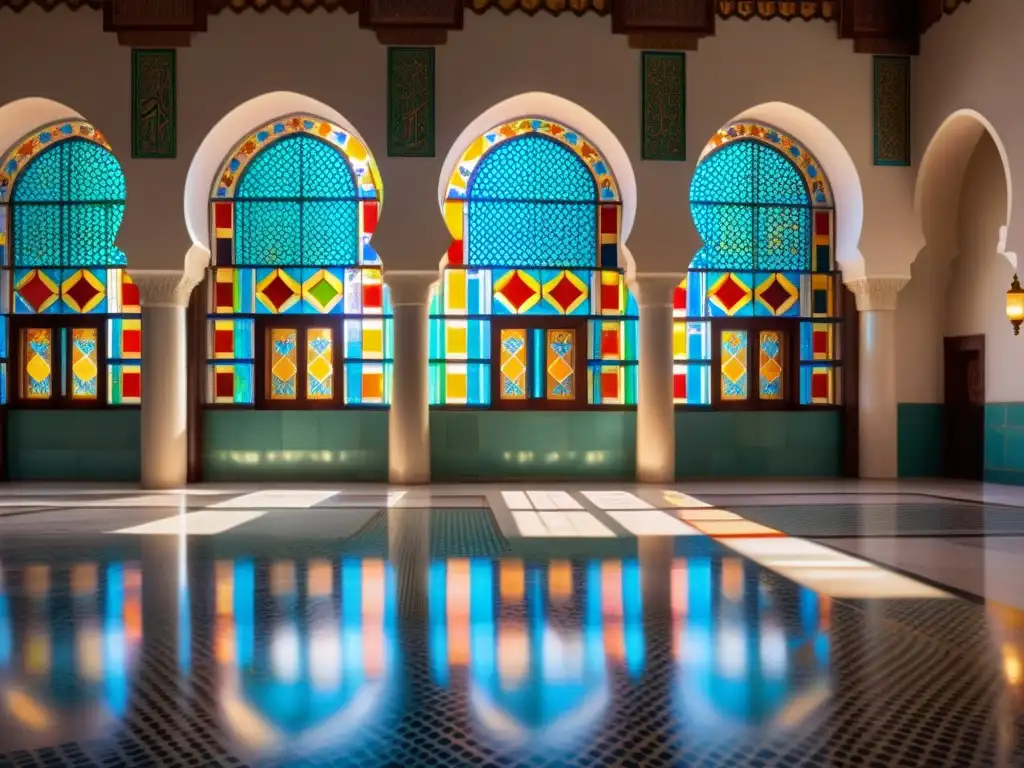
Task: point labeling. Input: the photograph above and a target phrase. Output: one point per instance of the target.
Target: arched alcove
(299, 332)
(533, 313)
(72, 315)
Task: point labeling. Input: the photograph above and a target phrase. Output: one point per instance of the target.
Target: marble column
(409, 418)
(876, 307)
(164, 296)
(655, 413)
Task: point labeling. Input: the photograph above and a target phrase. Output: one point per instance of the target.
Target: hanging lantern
(1015, 305)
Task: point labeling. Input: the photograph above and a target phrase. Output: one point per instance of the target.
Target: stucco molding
(410, 288)
(163, 288)
(877, 293)
(655, 289)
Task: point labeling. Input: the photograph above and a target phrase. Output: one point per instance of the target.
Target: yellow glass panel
(37, 364)
(513, 364)
(84, 363)
(453, 217)
(455, 338)
(373, 339)
(734, 365)
(679, 340)
(283, 363)
(561, 364)
(455, 296)
(455, 384)
(319, 364)
(770, 365)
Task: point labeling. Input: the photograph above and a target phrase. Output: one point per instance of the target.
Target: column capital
(876, 293)
(656, 288)
(163, 287)
(410, 288)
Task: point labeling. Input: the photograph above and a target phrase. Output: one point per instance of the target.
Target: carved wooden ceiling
(875, 26)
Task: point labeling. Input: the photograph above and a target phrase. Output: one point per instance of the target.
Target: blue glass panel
(478, 339)
(532, 168)
(478, 291)
(725, 176)
(3, 337)
(727, 232)
(527, 234)
(805, 384)
(330, 233)
(243, 384)
(783, 238)
(806, 341)
(3, 385)
(436, 342)
(698, 384)
(267, 233)
(778, 180)
(478, 390)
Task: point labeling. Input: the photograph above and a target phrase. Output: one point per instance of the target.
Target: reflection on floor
(495, 626)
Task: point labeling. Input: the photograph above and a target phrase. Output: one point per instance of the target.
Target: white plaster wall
(971, 61)
(980, 276)
(326, 57)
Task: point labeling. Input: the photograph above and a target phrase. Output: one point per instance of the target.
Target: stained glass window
(534, 213)
(763, 208)
(62, 198)
(291, 217)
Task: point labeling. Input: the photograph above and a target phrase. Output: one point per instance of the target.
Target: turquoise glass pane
(525, 234)
(726, 175)
(778, 180)
(243, 384)
(728, 235)
(45, 179)
(88, 177)
(330, 233)
(532, 168)
(91, 233)
(325, 170)
(783, 238)
(267, 233)
(38, 235)
(95, 173)
(275, 171)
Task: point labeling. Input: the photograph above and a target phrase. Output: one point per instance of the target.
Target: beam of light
(205, 522)
(652, 522)
(115, 656)
(276, 499)
(27, 711)
(6, 639)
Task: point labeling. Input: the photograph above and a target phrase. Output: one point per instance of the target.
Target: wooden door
(964, 412)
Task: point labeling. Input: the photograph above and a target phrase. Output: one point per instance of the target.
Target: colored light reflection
(739, 666)
(322, 669)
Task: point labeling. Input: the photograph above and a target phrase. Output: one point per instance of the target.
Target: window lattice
(532, 168)
(297, 205)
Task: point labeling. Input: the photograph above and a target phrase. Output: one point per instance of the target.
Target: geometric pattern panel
(734, 365)
(460, 325)
(513, 364)
(561, 364)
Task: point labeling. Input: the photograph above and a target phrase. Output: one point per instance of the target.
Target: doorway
(963, 448)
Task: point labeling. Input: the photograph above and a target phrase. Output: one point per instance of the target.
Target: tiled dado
(1004, 443)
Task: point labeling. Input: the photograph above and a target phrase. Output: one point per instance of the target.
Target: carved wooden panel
(154, 104)
(664, 106)
(444, 14)
(881, 25)
(892, 110)
(696, 17)
(154, 15)
(410, 102)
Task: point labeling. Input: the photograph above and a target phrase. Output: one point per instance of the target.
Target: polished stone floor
(773, 624)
